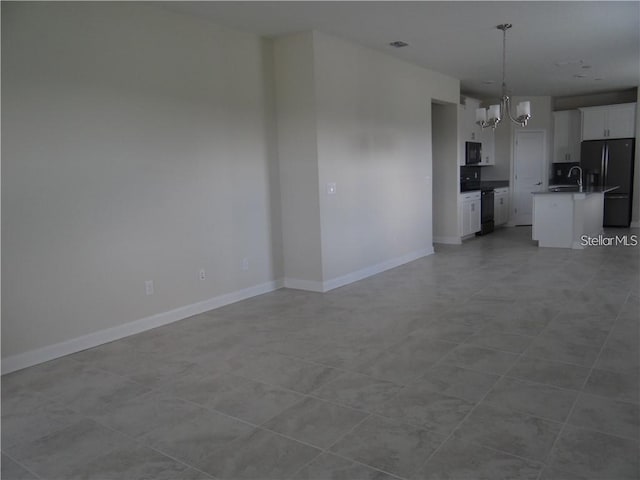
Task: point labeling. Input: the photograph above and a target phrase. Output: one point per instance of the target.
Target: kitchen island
(564, 216)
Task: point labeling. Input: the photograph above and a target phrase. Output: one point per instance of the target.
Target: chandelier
(490, 117)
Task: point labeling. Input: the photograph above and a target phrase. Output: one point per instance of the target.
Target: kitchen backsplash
(559, 172)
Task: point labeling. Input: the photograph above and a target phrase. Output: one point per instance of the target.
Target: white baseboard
(33, 357)
(50, 352)
(375, 269)
(315, 286)
(448, 240)
(308, 285)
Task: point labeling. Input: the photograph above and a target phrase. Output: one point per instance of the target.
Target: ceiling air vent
(398, 44)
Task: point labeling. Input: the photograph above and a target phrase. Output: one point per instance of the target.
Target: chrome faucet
(579, 178)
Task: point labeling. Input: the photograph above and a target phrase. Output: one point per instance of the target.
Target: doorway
(528, 173)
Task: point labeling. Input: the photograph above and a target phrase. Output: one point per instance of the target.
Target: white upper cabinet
(622, 121)
(610, 121)
(566, 136)
(470, 131)
(468, 128)
(487, 137)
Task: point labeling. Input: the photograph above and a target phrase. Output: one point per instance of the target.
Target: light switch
(331, 188)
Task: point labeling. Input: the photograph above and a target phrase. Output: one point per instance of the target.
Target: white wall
(298, 160)
(446, 173)
(364, 118)
(141, 144)
(138, 145)
(374, 142)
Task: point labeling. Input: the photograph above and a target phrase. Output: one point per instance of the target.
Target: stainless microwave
(473, 153)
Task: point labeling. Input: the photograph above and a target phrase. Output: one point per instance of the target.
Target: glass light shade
(494, 112)
(481, 115)
(523, 109)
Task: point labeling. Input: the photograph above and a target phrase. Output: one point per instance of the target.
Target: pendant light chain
(504, 58)
(491, 117)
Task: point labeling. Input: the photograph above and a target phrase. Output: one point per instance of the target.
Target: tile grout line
(144, 444)
(266, 429)
(19, 463)
(453, 431)
(310, 395)
(328, 451)
(457, 427)
(575, 402)
(134, 440)
(262, 427)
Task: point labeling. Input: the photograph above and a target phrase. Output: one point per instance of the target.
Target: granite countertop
(574, 189)
(485, 184)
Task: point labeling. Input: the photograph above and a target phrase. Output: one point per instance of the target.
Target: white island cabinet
(563, 219)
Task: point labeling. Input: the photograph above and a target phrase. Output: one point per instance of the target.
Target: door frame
(544, 167)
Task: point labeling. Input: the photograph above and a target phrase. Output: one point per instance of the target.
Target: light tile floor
(491, 360)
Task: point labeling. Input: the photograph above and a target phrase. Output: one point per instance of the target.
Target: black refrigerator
(607, 163)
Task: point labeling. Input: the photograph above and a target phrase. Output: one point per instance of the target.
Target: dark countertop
(487, 184)
(573, 189)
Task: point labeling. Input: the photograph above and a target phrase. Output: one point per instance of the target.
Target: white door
(528, 168)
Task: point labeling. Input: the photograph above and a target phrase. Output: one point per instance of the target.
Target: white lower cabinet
(469, 214)
(500, 206)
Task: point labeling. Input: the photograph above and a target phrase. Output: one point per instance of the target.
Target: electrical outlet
(148, 287)
(245, 264)
(203, 274)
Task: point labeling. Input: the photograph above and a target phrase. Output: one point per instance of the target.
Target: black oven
(473, 153)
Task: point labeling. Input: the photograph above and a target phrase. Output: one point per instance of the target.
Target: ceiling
(554, 48)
